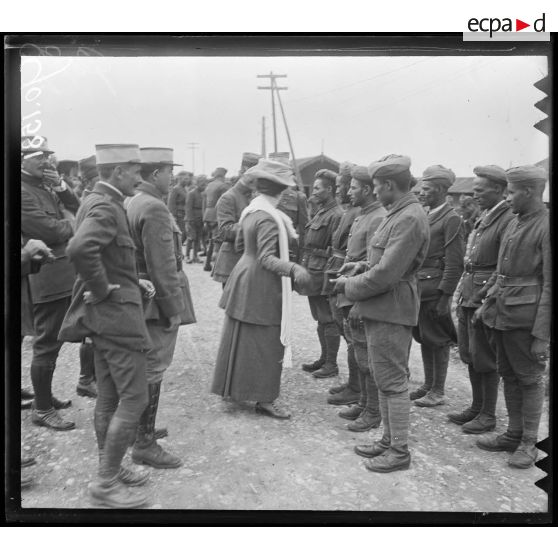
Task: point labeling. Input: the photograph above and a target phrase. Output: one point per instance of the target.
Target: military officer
(48, 205)
(229, 208)
(194, 220)
(476, 343)
(107, 307)
(438, 278)
(159, 259)
(366, 413)
(177, 200)
(214, 190)
(517, 307)
(316, 252)
(385, 295)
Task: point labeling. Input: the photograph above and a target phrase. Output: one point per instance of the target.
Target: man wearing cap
(69, 171)
(344, 179)
(159, 260)
(48, 205)
(316, 253)
(438, 278)
(365, 414)
(194, 219)
(88, 174)
(177, 200)
(517, 307)
(107, 307)
(384, 291)
(214, 190)
(229, 208)
(476, 344)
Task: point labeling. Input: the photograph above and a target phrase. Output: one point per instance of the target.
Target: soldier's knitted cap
(117, 153)
(274, 171)
(158, 156)
(388, 166)
(88, 167)
(34, 145)
(249, 159)
(440, 175)
(345, 168)
(492, 172)
(360, 173)
(526, 175)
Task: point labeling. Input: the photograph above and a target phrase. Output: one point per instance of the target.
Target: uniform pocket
(521, 299)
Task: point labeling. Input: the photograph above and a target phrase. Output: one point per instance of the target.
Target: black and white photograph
(286, 278)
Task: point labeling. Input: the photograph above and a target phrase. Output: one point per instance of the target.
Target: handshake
(349, 269)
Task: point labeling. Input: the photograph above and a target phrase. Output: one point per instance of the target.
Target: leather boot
(86, 384)
(441, 362)
(189, 260)
(524, 456)
(366, 421)
(489, 385)
(354, 369)
(480, 424)
(514, 405)
(127, 476)
(196, 249)
(332, 342)
(352, 413)
(533, 398)
(499, 442)
(41, 378)
(344, 397)
(374, 449)
(463, 416)
(51, 419)
(371, 417)
(337, 389)
(317, 364)
(390, 461)
(107, 491)
(428, 365)
(146, 450)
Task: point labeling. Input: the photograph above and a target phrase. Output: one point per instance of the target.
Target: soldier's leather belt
(338, 253)
(472, 268)
(318, 252)
(520, 281)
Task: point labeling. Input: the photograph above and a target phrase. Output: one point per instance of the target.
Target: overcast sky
(459, 112)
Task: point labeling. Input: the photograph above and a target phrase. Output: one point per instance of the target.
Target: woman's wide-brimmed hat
(272, 170)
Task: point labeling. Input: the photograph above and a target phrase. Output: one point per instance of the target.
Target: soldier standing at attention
(107, 307)
(177, 200)
(48, 205)
(438, 278)
(194, 220)
(229, 208)
(316, 252)
(517, 306)
(385, 295)
(214, 190)
(476, 343)
(159, 260)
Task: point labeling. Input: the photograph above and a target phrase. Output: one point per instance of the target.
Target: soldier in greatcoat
(107, 307)
(48, 205)
(177, 200)
(476, 342)
(159, 260)
(518, 308)
(385, 295)
(437, 280)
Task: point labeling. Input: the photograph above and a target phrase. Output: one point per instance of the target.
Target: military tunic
(177, 207)
(194, 214)
(294, 204)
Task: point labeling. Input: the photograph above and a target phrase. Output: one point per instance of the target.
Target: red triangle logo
(519, 25)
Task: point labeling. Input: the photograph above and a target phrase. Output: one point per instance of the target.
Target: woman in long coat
(255, 341)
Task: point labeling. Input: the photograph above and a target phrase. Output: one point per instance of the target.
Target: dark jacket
(522, 284)
(481, 254)
(103, 252)
(317, 245)
(43, 217)
(387, 292)
(253, 292)
(229, 207)
(177, 204)
(28, 266)
(158, 255)
(442, 268)
(294, 204)
(194, 206)
(214, 190)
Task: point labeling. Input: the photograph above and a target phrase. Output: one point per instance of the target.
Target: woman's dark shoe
(273, 410)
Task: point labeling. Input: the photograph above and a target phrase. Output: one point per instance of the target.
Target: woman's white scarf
(263, 202)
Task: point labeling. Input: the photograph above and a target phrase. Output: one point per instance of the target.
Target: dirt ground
(236, 459)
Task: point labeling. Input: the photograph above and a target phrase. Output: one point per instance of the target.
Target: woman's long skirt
(249, 362)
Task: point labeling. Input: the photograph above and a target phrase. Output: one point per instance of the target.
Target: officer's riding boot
(317, 364)
(397, 457)
(428, 365)
(435, 396)
(86, 384)
(471, 412)
(485, 421)
(146, 449)
(108, 491)
(533, 397)
(370, 417)
(352, 390)
(332, 342)
(45, 406)
(509, 440)
(189, 260)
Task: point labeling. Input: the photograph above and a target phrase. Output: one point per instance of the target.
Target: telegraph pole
(273, 87)
(193, 146)
(264, 150)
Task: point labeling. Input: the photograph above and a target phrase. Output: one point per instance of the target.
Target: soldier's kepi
(158, 242)
(384, 291)
(107, 307)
